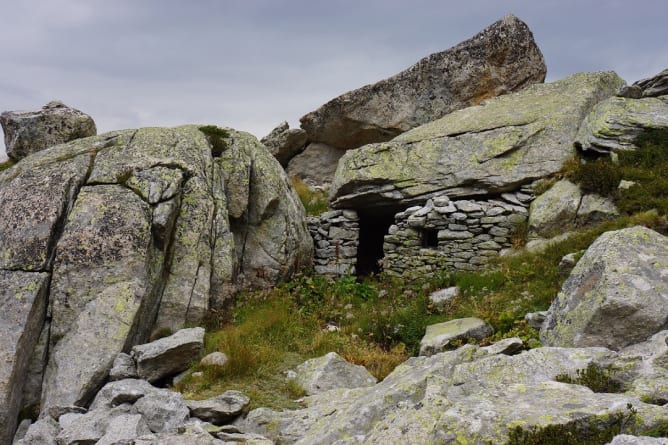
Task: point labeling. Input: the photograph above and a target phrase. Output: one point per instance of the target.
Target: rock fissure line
(68, 204)
(246, 216)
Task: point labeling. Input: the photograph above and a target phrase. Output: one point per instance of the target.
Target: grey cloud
(252, 63)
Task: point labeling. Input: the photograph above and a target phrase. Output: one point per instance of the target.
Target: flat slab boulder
(219, 409)
(27, 132)
(491, 148)
(500, 59)
(168, 356)
(441, 335)
(617, 294)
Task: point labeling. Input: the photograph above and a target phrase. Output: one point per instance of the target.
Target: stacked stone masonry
(453, 235)
(336, 238)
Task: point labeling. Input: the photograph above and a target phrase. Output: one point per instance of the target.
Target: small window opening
(430, 238)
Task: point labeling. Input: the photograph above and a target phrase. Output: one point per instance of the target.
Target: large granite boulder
(616, 295)
(142, 232)
(284, 142)
(469, 395)
(27, 132)
(500, 59)
(486, 149)
(615, 123)
(23, 301)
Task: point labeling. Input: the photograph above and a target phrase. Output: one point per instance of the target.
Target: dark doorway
(374, 225)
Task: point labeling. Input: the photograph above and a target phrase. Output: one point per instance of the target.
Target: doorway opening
(374, 225)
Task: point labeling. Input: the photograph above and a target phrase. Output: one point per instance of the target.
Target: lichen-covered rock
(441, 335)
(329, 372)
(554, 211)
(220, 409)
(500, 59)
(616, 295)
(137, 226)
(36, 195)
(316, 165)
(284, 142)
(23, 301)
(100, 292)
(27, 132)
(168, 356)
(615, 123)
(488, 149)
(463, 396)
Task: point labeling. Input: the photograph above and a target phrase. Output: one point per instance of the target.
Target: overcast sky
(251, 64)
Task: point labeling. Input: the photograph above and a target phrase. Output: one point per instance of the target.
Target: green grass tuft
(315, 202)
(6, 165)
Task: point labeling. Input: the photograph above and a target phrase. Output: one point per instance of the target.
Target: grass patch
(379, 321)
(646, 167)
(315, 201)
(217, 138)
(6, 165)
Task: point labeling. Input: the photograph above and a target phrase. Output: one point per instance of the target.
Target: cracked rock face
(136, 231)
(500, 59)
(488, 149)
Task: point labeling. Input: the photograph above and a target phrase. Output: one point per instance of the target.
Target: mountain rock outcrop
(616, 295)
(616, 123)
(500, 59)
(487, 149)
(27, 132)
(132, 233)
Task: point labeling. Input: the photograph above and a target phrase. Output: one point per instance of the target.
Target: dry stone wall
(453, 235)
(336, 239)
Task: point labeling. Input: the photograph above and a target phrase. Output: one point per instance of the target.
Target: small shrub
(600, 176)
(216, 137)
(594, 377)
(315, 202)
(577, 432)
